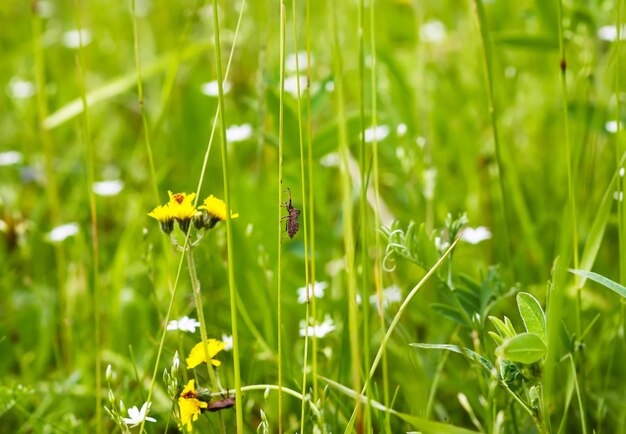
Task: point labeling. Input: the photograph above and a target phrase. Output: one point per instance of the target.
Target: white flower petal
(20, 89)
(228, 342)
(378, 133)
(108, 188)
(290, 61)
(10, 158)
(433, 31)
(476, 235)
(211, 88)
(317, 291)
(62, 232)
(72, 38)
(238, 133)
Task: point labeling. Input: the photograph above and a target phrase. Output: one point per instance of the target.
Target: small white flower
(476, 235)
(609, 33)
(10, 158)
(319, 330)
(618, 195)
(330, 160)
(441, 245)
(20, 89)
(390, 295)
(621, 172)
(72, 38)
(175, 361)
(612, 126)
(317, 291)
(62, 232)
(185, 324)
(301, 57)
(228, 342)
(108, 188)
(433, 31)
(211, 88)
(291, 85)
(238, 133)
(401, 129)
(378, 133)
(329, 86)
(137, 416)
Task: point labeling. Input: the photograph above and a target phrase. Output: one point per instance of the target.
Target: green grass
(482, 118)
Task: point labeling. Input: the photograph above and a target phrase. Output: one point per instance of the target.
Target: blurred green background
(436, 156)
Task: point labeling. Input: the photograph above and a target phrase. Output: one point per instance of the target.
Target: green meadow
(357, 216)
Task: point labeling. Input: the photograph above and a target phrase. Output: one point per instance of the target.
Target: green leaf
(613, 286)
(602, 213)
(450, 312)
(502, 329)
(496, 337)
(424, 425)
(524, 348)
(473, 355)
(532, 314)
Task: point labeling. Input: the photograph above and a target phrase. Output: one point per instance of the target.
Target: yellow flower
(190, 406)
(197, 355)
(216, 210)
(163, 214)
(181, 205)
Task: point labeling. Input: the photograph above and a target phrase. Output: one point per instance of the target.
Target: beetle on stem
(292, 225)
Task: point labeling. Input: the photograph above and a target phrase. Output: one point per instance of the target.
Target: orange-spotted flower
(180, 208)
(189, 404)
(215, 211)
(198, 356)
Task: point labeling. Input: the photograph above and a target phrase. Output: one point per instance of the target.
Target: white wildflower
(62, 232)
(238, 133)
(108, 188)
(137, 416)
(476, 235)
(185, 324)
(319, 330)
(316, 291)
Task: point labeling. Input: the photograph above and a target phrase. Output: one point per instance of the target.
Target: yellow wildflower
(197, 355)
(216, 210)
(181, 205)
(163, 214)
(190, 406)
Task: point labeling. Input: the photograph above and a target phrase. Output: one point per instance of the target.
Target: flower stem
(197, 297)
(229, 230)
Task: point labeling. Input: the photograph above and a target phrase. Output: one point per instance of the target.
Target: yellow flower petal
(190, 406)
(197, 356)
(181, 205)
(162, 213)
(216, 208)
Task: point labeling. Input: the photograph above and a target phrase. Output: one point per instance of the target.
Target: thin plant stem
(311, 207)
(197, 296)
(346, 191)
(619, 147)
(52, 192)
(97, 302)
(394, 323)
(229, 229)
(378, 269)
(175, 284)
(363, 206)
(488, 70)
(571, 183)
(279, 307)
(307, 280)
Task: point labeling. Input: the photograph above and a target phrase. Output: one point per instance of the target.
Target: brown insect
(221, 404)
(292, 225)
